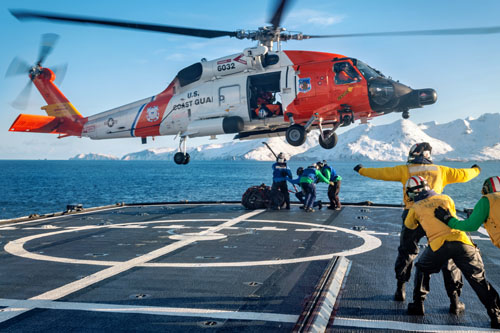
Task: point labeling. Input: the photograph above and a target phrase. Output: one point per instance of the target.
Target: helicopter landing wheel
(330, 141)
(296, 135)
(406, 115)
(181, 158)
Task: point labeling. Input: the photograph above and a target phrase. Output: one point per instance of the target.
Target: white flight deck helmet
(491, 185)
(415, 185)
(281, 158)
(262, 113)
(419, 149)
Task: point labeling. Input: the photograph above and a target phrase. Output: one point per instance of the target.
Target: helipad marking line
(226, 314)
(150, 310)
(119, 268)
(56, 217)
(404, 326)
(483, 231)
(370, 243)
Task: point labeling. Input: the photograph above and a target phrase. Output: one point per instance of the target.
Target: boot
(416, 309)
(400, 294)
(495, 323)
(495, 318)
(456, 307)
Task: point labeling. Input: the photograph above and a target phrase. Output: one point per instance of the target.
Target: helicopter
(263, 91)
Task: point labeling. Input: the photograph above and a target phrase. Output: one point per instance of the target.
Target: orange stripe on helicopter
(151, 115)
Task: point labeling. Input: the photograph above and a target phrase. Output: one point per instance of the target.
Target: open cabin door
(262, 83)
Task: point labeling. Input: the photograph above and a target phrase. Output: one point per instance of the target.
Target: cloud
(314, 17)
(175, 57)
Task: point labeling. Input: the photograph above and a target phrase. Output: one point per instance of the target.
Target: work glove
(442, 215)
(476, 166)
(357, 167)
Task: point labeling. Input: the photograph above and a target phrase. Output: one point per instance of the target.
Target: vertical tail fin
(62, 117)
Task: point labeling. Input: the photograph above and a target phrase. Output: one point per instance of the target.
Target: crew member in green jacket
(334, 185)
(308, 181)
(486, 210)
(438, 176)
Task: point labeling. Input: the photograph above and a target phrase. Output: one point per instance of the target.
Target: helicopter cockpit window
(345, 73)
(368, 72)
(190, 74)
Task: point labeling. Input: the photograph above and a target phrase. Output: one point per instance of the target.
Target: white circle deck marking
(16, 247)
(197, 237)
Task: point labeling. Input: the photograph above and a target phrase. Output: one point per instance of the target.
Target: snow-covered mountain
(470, 139)
(475, 139)
(459, 140)
(94, 157)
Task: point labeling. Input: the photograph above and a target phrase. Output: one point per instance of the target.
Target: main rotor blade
(21, 101)
(276, 18)
(17, 67)
(205, 33)
(46, 46)
(437, 32)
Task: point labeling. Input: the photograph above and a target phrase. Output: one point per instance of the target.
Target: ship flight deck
(218, 268)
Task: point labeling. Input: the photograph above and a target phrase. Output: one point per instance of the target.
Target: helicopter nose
(417, 99)
(387, 96)
(427, 96)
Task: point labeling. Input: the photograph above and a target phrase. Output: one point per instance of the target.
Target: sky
(109, 67)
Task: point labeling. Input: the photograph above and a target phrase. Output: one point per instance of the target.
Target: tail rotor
(19, 66)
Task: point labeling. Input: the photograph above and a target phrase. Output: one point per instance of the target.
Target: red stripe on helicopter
(241, 61)
(225, 61)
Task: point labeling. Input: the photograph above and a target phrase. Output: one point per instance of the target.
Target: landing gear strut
(181, 157)
(328, 138)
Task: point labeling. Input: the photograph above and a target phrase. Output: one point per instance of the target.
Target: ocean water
(45, 186)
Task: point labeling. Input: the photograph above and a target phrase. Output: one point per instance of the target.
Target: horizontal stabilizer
(36, 124)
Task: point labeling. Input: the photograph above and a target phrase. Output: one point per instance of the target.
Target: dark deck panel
(139, 268)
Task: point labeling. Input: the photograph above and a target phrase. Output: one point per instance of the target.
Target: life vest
(268, 110)
(436, 231)
(329, 168)
(344, 77)
(280, 172)
(309, 173)
(492, 224)
(429, 172)
(333, 174)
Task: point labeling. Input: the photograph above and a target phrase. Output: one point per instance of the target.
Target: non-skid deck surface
(213, 268)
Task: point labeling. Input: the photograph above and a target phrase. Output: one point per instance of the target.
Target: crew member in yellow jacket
(438, 176)
(445, 244)
(486, 211)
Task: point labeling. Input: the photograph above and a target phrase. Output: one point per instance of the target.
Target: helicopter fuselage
(209, 98)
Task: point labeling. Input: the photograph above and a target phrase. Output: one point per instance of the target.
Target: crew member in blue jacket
(301, 194)
(308, 180)
(280, 174)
